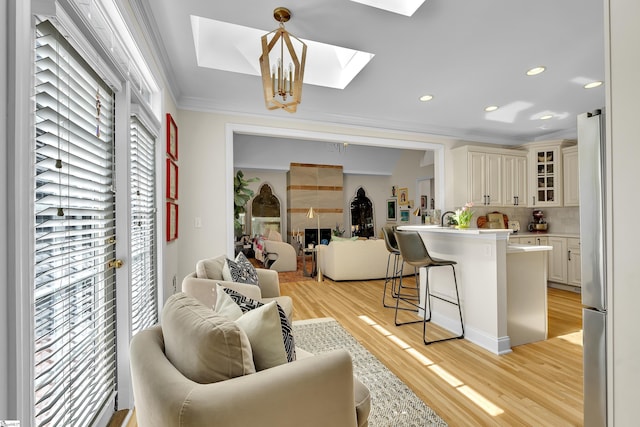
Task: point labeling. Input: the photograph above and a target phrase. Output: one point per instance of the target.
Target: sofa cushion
(275, 236)
(248, 304)
(210, 268)
(240, 270)
(204, 346)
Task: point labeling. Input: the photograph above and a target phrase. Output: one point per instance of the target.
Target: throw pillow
(225, 305)
(248, 304)
(262, 326)
(241, 270)
(204, 346)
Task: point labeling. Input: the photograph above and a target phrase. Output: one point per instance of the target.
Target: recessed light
(592, 85)
(491, 108)
(536, 70)
(425, 98)
(546, 117)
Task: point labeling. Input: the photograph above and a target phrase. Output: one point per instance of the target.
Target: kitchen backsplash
(559, 220)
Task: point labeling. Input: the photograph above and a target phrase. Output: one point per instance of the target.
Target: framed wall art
(424, 203)
(172, 221)
(403, 196)
(404, 216)
(172, 138)
(391, 210)
(172, 180)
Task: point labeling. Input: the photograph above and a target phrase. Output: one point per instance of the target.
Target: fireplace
(311, 235)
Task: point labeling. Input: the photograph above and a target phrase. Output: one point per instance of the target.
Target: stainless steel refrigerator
(591, 164)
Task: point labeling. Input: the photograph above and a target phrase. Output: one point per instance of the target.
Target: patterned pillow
(241, 270)
(248, 304)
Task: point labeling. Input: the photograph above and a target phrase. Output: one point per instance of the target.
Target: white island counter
(502, 287)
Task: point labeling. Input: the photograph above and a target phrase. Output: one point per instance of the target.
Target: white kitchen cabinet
(514, 180)
(558, 260)
(570, 178)
(479, 176)
(573, 262)
(534, 240)
(545, 181)
(485, 178)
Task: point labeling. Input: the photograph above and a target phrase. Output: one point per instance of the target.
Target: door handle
(115, 263)
(569, 255)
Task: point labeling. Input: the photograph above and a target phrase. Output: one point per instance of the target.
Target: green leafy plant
(241, 195)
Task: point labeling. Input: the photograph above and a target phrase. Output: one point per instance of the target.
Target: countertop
(544, 233)
(513, 248)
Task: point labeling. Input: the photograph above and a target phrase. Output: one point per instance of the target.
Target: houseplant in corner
(241, 195)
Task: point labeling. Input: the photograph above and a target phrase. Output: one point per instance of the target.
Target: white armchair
(276, 254)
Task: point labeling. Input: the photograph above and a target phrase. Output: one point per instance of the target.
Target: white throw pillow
(262, 326)
(247, 305)
(225, 305)
(204, 346)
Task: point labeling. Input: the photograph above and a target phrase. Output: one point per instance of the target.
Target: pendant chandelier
(282, 65)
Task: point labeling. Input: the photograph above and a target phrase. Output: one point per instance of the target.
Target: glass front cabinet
(546, 176)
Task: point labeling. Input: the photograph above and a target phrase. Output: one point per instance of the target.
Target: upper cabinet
(484, 183)
(548, 176)
(514, 182)
(545, 186)
(570, 176)
(489, 176)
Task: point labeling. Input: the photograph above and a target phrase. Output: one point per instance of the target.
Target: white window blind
(74, 295)
(144, 280)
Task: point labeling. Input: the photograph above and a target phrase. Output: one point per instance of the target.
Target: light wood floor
(537, 384)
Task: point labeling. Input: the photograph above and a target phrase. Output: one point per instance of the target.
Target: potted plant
(241, 195)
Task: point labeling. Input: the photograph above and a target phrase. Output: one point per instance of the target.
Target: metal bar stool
(414, 252)
(392, 247)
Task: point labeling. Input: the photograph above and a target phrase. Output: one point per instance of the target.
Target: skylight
(230, 47)
(402, 7)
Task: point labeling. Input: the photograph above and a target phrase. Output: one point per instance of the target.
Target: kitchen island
(502, 287)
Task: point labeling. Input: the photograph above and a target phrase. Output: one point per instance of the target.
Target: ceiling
(467, 54)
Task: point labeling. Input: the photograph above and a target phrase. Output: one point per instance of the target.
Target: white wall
(205, 186)
(278, 182)
(623, 204)
(170, 283)
(377, 189)
(407, 170)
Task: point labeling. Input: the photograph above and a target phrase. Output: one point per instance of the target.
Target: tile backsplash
(559, 220)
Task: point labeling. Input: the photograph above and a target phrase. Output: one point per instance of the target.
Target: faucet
(442, 218)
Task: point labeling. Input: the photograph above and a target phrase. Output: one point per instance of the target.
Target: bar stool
(414, 252)
(397, 269)
(392, 247)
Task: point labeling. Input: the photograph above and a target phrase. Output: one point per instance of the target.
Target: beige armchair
(173, 367)
(315, 391)
(201, 284)
(276, 254)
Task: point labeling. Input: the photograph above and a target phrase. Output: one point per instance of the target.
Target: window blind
(74, 288)
(144, 280)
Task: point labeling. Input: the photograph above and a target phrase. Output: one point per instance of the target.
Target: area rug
(392, 402)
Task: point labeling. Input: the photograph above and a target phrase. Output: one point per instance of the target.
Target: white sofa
(355, 260)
